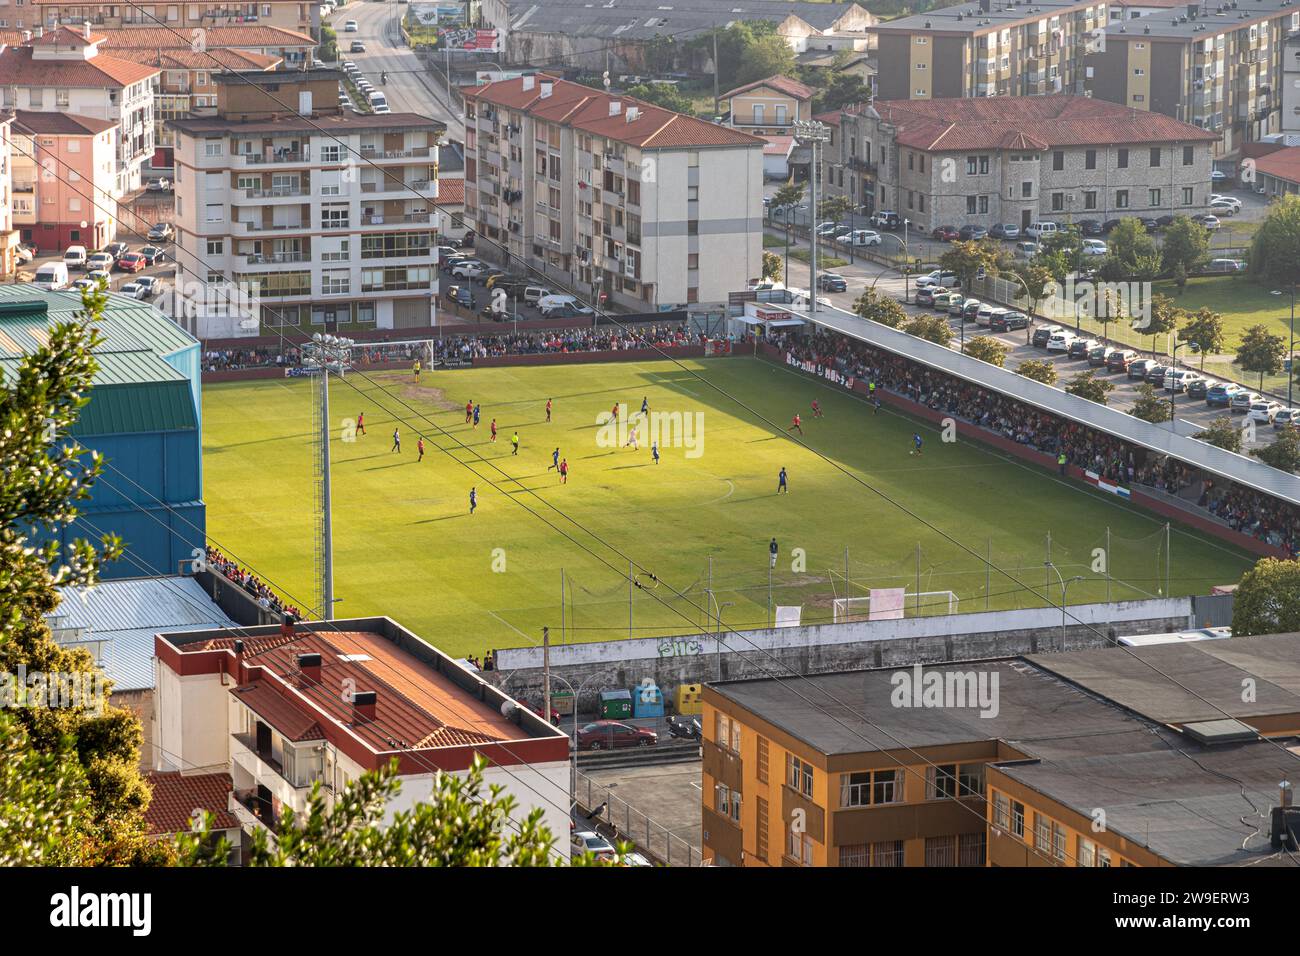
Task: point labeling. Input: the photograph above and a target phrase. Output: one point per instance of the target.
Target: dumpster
(689, 699)
(562, 703)
(648, 701)
(615, 704)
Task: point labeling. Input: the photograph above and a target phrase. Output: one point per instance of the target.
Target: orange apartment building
(289, 14)
(64, 174)
(833, 770)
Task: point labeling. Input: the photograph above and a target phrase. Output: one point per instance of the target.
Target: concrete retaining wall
(827, 648)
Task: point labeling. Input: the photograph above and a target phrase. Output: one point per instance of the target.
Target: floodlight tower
(813, 134)
(322, 355)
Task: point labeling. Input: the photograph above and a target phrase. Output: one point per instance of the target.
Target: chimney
(1284, 793)
(529, 81)
(309, 667)
(547, 87)
(363, 706)
(615, 107)
(85, 30)
(239, 662)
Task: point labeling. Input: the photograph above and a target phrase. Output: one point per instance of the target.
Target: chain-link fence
(630, 824)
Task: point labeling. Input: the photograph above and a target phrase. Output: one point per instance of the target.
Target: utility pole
(325, 353)
(546, 675)
(717, 103)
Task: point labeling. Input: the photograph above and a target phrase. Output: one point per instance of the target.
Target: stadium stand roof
(126, 614)
(1246, 471)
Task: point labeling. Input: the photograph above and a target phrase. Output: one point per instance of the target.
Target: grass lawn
(1240, 301)
(823, 262)
(406, 546)
(771, 242)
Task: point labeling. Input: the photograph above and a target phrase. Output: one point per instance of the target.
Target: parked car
(1225, 266)
(1081, 346)
(972, 233)
(1094, 247)
(153, 255)
(1164, 222)
(151, 285)
(1140, 368)
(135, 290)
(684, 727)
(1005, 231)
(468, 269)
(1232, 201)
(1097, 355)
(116, 249)
(1008, 322)
(1263, 412)
(1041, 229)
(1108, 226)
(349, 26)
(1118, 360)
(1209, 222)
(949, 280)
(535, 293)
(832, 282)
(74, 257)
(158, 186)
(1043, 334)
(587, 841)
(94, 275)
(24, 252)
(1243, 401)
(51, 277)
(1197, 387)
(1026, 249)
(887, 219)
(1221, 207)
(160, 232)
(945, 233)
(1285, 417)
(1061, 340)
(1090, 227)
(828, 229)
(1221, 395)
(1177, 380)
(984, 314)
(1156, 375)
(942, 300)
(1150, 223)
(131, 262)
(571, 311)
(99, 260)
(1218, 176)
(612, 734)
(970, 309)
(925, 295)
(860, 237)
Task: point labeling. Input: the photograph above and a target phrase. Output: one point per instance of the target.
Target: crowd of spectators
(247, 580)
(1111, 458)
(470, 347)
(220, 360)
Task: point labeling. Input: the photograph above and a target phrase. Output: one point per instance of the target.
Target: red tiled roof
(777, 145)
(782, 84)
(18, 68)
(1028, 122)
(177, 796)
(1282, 163)
(59, 124)
(234, 37)
(282, 711)
(581, 107)
(210, 60)
(451, 192)
(831, 118)
(65, 35)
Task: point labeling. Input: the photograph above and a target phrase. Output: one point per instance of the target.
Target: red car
(945, 234)
(609, 734)
(131, 262)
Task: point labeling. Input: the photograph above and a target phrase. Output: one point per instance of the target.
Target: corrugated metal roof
(133, 408)
(126, 615)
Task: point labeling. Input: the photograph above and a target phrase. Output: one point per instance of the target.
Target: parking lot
(479, 297)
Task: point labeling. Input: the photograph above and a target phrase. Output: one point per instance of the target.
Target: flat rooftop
(968, 18)
(1212, 670)
(1193, 806)
(1213, 18)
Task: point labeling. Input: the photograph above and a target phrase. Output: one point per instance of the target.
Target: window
(970, 780)
(1058, 202)
(970, 205)
(1188, 156)
(1187, 195)
(855, 789)
(972, 164)
(941, 781)
(693, 261)
(722, 729)
(692, 227)
(1027, 190)
(762, 768)
(1121, 199)
(216, 247)
(941, 851)
(1121, 159)
(212, 148)
(888, 853)
(871, 788)
(61, 98)
(215, 212)
(887, 786)
(799, 775)
(1090, 159)
(1153, 197)
(1058, 160)
(692, 193)
(1155, 157)
(331, 154)
(1090, 199)
(761, 847)
(799, 847)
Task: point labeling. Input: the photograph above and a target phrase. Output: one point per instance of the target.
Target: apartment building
(1217, 66)
(8, 235)
(64, 179)
(1003, 762)
(1019, 159)
(290, 14)
(768, 107)
(281, 710)
(64, 71)
(1290, 101)
(987, 49)
(619, 199)
(325, 216)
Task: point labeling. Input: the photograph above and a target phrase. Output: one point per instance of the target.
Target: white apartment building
(63, 71)
(618, 199)
(281, 711)
(326, 218)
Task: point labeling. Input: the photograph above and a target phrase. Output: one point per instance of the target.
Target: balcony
(412, 217)
(277, 192)
(275, 157)
(418, 152)
(250, 228)
(277, 258)
(861, 165)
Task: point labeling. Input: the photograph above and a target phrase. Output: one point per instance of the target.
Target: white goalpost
(930, 604)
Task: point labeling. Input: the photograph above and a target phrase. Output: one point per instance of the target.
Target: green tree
(987, 349)
(768, 55)
(663, 94)
(834, 208)
(785, 199)
(46, 477)
(1222, 433)
(1149, 407)
(968, 258)
(1161, 318)
(1036, 278)
(43, 800)
(844, 89)
(1204, 332)
(932, 328)
(459, 824)
(1088, 385)
(328, 50)
(1261, 351)
(1267, 600)
(1038, 370)
(879, 308)
(1275, 247)
(1132, 253)
(772, 266)
(748, 50)
(1186, 246)
(1283, 452)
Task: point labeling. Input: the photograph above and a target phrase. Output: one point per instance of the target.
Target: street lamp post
(1173, 392)
(717, 637)
(812, 134)
(1290, 372)
(1065, 587)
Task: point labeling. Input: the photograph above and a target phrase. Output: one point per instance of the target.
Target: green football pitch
(405, 544)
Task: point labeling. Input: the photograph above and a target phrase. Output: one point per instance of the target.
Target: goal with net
(922, 604)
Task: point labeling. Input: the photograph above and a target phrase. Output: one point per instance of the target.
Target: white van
(379, 103)
(548, 302)
(51, 277)
(533, 294)
(984, 315)
(75, 257)
(1041, 230)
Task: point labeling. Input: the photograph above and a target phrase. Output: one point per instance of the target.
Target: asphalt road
(410, 89)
